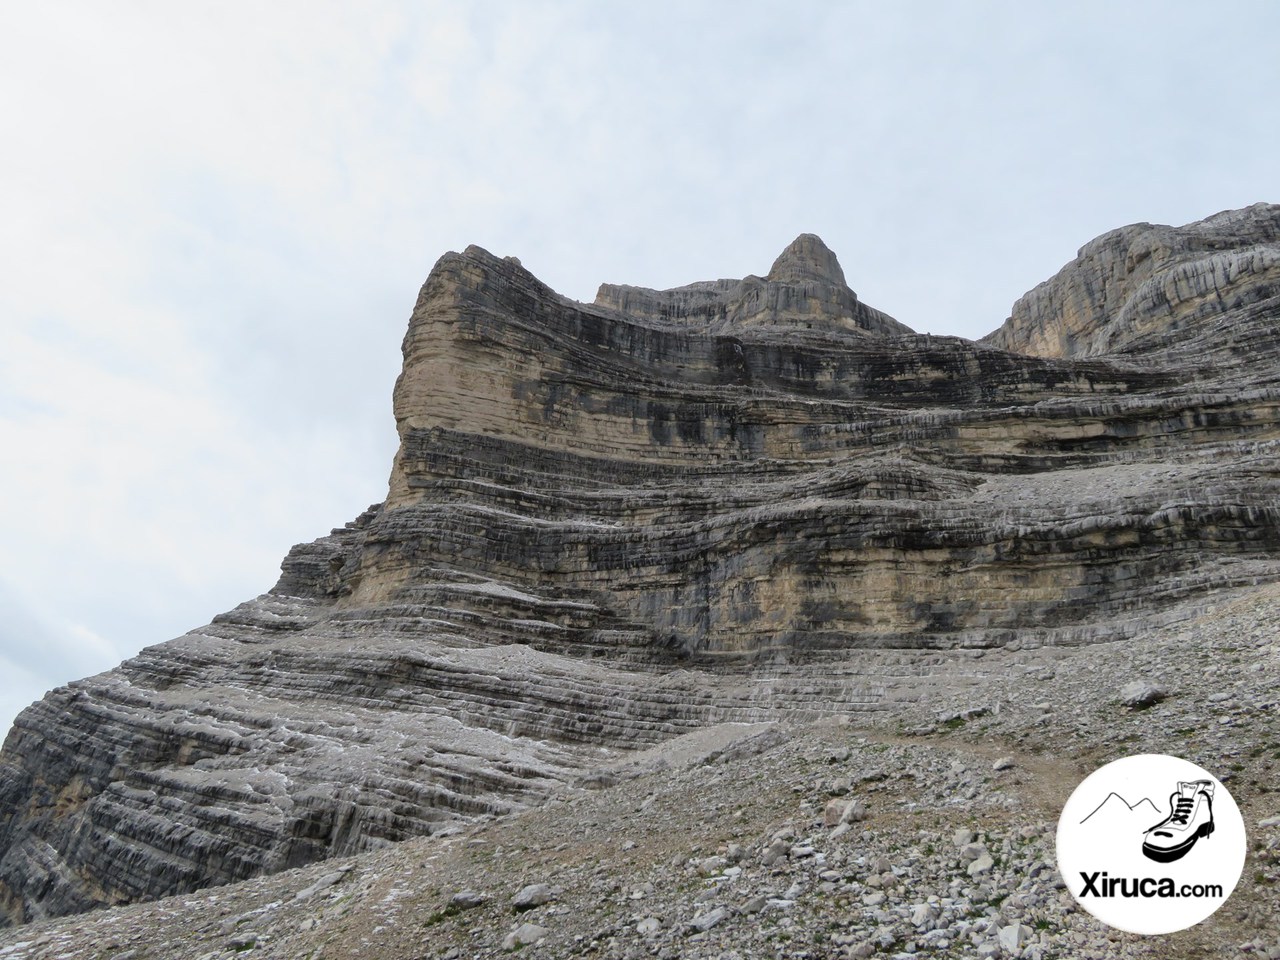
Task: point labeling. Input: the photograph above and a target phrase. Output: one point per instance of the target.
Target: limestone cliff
(1151, 288)
(610, 523)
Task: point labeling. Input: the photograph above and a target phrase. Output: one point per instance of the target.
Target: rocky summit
(738, 525)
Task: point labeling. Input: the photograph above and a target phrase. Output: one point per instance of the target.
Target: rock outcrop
(608, 524)
(1202, 290)
(804, 290)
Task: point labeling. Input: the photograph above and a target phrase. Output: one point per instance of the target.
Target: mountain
(1199, 291)
(608, 524)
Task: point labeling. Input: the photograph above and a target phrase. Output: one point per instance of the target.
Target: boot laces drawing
(1190, 818)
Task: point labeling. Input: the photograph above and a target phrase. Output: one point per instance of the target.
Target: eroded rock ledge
(611, 523)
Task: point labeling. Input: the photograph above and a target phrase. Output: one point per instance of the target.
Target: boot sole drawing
(1169, 854)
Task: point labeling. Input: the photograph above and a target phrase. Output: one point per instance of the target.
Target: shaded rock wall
(610, 523)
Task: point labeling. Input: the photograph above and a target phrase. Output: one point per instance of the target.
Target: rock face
(611, 523)
(1205, 289)
(805, 290)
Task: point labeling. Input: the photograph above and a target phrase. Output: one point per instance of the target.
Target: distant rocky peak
(807, 258)
(805, 289)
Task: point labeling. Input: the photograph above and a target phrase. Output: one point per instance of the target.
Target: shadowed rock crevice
(608, 524)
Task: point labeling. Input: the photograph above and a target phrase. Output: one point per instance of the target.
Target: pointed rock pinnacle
(807, 258)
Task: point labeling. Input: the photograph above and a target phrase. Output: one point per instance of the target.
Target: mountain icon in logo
(1116, 810)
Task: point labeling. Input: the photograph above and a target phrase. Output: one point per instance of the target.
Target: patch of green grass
(440, 916)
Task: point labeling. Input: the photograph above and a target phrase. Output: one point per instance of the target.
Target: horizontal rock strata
(1153, 289)
(609, 524)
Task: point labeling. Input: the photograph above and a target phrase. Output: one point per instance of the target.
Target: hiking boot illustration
(1190, 818)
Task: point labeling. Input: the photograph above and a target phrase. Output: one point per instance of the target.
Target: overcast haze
(215, 217)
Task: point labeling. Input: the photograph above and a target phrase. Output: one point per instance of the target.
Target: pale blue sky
(216, 217)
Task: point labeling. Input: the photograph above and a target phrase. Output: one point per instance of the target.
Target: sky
(215, 218)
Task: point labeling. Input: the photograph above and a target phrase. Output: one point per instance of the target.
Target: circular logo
(1151, 844)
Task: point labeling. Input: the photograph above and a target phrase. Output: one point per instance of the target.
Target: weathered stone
(705, 921)
(923, 914)
(855, 811)
(981, 865)
(775, 852)
(710, 866)
(843, 811)
(833, 813)
(971, 851)
(534, 895)
(1142, 693)
(324, 883)
(1012, 937)
(467, 900)
(649, 927)
(524, 935)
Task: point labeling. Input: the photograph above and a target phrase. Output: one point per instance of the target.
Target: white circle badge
(1151, 844)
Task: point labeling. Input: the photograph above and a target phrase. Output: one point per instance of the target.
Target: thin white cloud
(216, 218)
(19, 689)
(37, 654)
